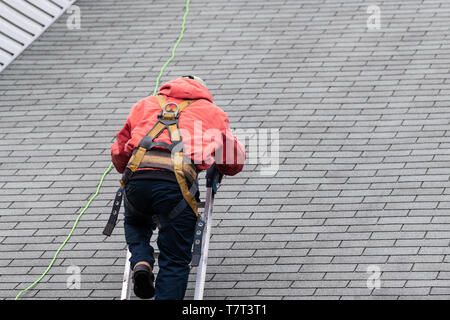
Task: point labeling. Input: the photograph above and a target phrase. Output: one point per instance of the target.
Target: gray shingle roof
(364, 145)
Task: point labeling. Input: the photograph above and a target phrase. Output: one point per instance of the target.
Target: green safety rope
(158, 79)
(70, 233)
(174, 48)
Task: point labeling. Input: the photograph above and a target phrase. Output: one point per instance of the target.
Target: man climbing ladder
(164, 144)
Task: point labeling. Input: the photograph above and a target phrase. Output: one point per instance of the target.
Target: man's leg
(175, 240)
(175, 243)
(138, 231)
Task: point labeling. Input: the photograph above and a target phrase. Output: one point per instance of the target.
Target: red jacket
(211, 133)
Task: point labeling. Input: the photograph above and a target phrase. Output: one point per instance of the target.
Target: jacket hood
(185, 88)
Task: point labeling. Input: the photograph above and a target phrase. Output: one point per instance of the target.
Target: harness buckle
(173, 113)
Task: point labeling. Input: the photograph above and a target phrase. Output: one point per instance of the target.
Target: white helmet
(198, 79)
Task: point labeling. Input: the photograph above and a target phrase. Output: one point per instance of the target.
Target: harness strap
(198, 237)
(183, 204)
(163, 103)
(174, 132)
(157, 129)
(175, 137)
(181, 179)
(114, 213)
(163, 160)
(137, 159)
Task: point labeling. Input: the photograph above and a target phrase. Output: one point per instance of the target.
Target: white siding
(23, 21)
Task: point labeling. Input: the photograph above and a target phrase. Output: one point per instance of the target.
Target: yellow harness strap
(178, 156)
(179, 174)
(163, 160)
(136, 159)
(163, 103)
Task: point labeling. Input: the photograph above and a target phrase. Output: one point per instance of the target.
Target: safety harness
(146, 155)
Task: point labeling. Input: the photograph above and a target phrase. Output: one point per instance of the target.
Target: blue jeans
(175, 237)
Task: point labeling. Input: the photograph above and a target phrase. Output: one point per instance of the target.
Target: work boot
(143, 279)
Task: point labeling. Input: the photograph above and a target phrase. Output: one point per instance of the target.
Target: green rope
(174, 47)
(70, 233)
(158, 79)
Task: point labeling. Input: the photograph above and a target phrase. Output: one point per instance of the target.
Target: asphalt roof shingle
(363, 121)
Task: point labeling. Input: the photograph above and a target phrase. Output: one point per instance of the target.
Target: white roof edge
(23, 22)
